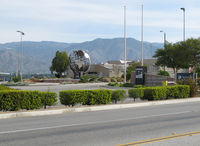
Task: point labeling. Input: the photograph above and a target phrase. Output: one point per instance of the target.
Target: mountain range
(37, 56)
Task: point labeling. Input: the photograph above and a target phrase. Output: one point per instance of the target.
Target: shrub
(166, 92)
(84, 79)
(12, 100)
(85, 97)
(93, 78)
(136, 93)
(163, 73)
(138, 86)
(126, 85)
(2, 87)
(193, 87)
(15, 100)
(178, 91)
(113, 84)
(154, 93)
(99, 96)
(192, 84)
(48, 98)
(71, 97)
(172, 92)
(118, 95)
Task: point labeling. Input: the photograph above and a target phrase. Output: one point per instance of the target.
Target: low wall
(58, 80)
(152, 80)
(156, 80)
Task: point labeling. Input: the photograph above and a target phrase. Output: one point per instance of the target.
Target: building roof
(3, 73)
(118, 62)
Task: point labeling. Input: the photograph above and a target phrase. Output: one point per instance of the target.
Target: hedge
(118, 95)
(160, 93)
(126, 85)
(178, 91)
(48, 98)
(85, 97)
(136, 93)
(12, 100)
(2, 87)
(116, 84)
(138, 86)
(154, 93)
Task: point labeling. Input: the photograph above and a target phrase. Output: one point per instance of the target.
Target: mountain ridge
(37, 56)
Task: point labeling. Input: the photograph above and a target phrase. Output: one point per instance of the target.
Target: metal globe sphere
(79, 61)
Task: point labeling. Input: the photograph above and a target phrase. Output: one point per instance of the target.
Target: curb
(94, 108)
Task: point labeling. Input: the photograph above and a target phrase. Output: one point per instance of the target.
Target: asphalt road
(106, 128)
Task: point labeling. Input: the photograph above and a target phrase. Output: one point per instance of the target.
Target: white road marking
(90, 123)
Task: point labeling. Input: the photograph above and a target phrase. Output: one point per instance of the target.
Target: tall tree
(59, 63)
(191, 49)
(169, 57)
(180, 55)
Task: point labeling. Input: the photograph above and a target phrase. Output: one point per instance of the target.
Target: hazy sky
(84, 20)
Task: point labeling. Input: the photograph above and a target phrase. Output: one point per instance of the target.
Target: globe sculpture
(79, 63)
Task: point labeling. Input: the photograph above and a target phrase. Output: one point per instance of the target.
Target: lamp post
(21, 62)
(142, 39)
(124, 44)
(164, 37)
(164, 41)
(183, 9)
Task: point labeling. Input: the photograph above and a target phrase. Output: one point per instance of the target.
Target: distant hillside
(37, 56)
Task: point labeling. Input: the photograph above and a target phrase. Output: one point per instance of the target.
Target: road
(106, 128)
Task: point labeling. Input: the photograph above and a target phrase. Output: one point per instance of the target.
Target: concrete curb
(94, 108)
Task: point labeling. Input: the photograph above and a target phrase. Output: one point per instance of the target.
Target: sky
(74, 21)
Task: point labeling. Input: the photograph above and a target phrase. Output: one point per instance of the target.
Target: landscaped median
(14, 100)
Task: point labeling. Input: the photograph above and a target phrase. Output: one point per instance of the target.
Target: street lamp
(164, 37)
(183, 9)
(142, 37)
(21, 63)
(124, 44)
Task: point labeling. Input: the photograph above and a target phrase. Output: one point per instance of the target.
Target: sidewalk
(5, 115)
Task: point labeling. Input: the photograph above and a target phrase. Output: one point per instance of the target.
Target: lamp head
(183, 9)
(22, 33)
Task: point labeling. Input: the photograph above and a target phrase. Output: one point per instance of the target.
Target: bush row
(160, 93)
(2, 87)
(85, 97)
(12, 100)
